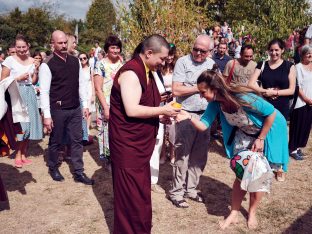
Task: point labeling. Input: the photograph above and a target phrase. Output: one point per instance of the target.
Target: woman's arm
(252, 83)
(5, 72)
(267, 124)
(93, 87)
(98, 85)
(35, 76)
(304, 97)
(184, 115)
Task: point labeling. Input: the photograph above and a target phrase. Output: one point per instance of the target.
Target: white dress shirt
(45, 78)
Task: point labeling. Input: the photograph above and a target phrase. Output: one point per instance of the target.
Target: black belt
(58, 106)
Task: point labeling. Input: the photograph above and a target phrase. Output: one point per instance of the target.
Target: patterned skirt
(102, 126)
(32, 130)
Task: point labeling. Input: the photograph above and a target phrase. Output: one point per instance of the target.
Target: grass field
(40, 205)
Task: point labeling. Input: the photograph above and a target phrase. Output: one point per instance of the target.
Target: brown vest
(132, 140)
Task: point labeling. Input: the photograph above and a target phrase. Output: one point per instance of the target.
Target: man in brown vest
(133, 125)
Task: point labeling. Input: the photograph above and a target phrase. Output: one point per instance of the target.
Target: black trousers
(69, 122)
(300, 127)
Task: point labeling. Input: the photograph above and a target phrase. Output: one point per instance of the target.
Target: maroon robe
(131, 142)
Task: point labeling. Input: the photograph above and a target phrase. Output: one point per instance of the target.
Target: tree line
(180, 21)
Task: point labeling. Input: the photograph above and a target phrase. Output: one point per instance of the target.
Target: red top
(132, 140)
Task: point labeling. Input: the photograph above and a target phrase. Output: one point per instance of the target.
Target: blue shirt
(221, 61)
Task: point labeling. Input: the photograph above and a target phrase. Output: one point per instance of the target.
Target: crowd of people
(153, 105)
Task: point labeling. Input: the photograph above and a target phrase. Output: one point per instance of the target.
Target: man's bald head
(56, 34)
(59, 42)
(201, 48)
(204, 40)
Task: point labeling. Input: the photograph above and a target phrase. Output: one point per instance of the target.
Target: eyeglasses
(84, 58)
(200, 50)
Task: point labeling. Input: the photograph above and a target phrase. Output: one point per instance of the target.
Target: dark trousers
(300, 127)
(69, 122)
(132, 200)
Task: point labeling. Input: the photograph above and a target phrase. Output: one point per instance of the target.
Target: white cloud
(76, 9)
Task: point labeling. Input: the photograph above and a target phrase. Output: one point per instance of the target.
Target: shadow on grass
(14, 180)
(35, 149)
(302, 225)
(217, 195)
(103, 187)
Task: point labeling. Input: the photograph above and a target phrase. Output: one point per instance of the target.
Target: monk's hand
(183, 115)
(170, 110)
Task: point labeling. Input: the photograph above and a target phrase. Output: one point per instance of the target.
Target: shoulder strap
(229, 79)
(262, 67)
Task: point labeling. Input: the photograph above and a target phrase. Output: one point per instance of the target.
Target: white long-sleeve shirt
(45, 77)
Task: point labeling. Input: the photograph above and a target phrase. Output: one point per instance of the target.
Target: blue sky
(75, 9)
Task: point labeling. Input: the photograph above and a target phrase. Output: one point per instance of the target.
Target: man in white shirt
(97, 49)
(61, 87)
(308, 36)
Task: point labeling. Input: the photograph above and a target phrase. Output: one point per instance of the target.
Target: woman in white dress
(88, 81)
(24, 70)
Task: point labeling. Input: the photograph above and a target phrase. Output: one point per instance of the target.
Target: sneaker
(18, 163)
(296, 156)
(300, 152)
(26, 162)
(157, 189)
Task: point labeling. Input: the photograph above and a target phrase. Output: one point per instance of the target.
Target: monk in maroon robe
(133, 126)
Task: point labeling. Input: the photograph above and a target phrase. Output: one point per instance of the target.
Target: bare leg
(19, 147)
(237, 198)
(255, 199)
(24, 149)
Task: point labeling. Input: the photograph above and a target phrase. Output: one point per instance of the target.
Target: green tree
(179, 21)
(267, 19)
(101, 17)
(37, 26)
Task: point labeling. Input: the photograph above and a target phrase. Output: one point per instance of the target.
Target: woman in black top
(277, 78)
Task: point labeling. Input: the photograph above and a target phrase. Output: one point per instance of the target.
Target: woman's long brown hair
(216, 82)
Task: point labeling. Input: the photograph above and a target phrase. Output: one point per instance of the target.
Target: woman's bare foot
(252, 222)
(231, 219)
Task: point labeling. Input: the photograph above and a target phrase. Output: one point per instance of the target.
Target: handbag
(258, 174)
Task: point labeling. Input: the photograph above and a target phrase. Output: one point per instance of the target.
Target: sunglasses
(200, 50)
(84, 58)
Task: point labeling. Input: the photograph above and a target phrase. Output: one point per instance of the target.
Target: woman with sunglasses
(88, 81)
(25, 71)
(248, 122)
(104, 73)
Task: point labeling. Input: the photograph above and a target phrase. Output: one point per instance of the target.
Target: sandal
(198, 198)
(179, 203)
(280, 176)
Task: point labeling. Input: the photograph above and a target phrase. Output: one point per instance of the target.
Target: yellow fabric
(147, 70)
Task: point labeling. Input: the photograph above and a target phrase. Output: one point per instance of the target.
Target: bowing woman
(257, 126)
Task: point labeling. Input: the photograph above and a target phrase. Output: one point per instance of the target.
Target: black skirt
(300, 127)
